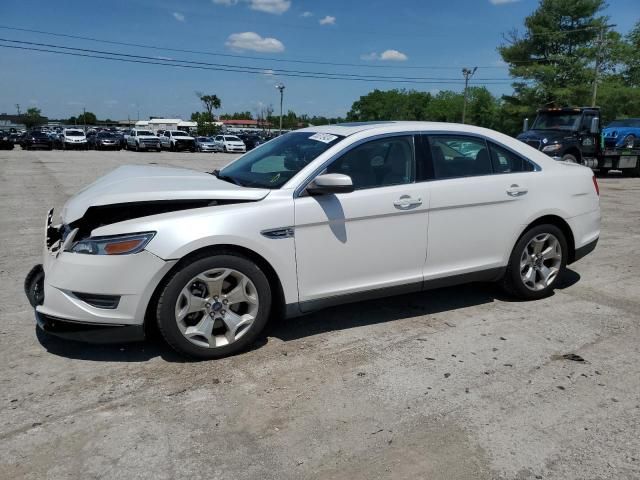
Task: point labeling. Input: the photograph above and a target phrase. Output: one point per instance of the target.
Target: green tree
(552, 61)
(206, 125)
(33, 118)
(390, 105)
(210, 103)
(86, 118)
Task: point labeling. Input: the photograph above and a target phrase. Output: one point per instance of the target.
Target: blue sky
(394, 35)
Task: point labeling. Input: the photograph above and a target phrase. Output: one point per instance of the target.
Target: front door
(372, 238)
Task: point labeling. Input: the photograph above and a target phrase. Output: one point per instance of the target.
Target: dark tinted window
(459, 156)
(505, 161)
(378, 163)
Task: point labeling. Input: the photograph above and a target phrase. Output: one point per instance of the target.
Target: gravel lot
(457, 383)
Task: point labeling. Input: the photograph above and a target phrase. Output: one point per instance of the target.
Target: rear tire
(537, 261)
(184, 291)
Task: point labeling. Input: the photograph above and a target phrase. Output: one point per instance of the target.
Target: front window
(144, 132)
(557, 121)
(274, 163)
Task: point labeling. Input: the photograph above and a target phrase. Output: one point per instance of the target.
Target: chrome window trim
(303, 184)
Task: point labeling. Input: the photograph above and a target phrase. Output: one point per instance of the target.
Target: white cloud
(277, 7)
(369, 57)
(328, 20)
(253, 41)
(306, 14)
(387, 55)
(393, 56)
(178, 16)
(502, 2)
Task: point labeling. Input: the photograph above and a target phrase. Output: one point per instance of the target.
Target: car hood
(134, 184)
(153, 137)
(545, 136)
(621, 131)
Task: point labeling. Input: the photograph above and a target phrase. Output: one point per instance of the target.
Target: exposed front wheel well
(563, 226)
(277, 304)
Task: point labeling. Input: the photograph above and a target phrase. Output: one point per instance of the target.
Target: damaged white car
(316, 217)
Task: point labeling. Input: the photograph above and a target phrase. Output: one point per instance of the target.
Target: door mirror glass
(595, 125)
(330, 183)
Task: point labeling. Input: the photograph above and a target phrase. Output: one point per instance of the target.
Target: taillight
(595, 184)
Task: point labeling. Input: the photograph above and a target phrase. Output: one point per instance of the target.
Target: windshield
(204, 139)
(145, 132)
(179, 133)
(557, 121)
(629, 122)
(231, 138)
(105, 135)
(273, 164)
(74, 133)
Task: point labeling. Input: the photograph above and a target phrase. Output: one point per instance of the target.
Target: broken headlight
(112, 245)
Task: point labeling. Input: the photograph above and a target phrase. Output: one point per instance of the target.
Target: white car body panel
(143, 183)
(342, 244)
(356, 232)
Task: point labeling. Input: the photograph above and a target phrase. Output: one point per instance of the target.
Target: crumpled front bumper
(73, 282)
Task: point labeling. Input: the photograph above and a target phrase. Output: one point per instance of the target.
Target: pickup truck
(142, 140)
(175, 140)
(573, 134)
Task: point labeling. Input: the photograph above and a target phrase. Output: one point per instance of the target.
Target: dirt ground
(458, 383)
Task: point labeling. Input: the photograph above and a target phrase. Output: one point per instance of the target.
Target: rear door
(480, 195)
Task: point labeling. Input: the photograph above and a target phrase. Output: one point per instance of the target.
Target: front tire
(567, 157)
(537, 261)
(214, 306)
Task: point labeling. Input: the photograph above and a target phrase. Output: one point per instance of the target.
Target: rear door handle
(406, 202)
(516, 191)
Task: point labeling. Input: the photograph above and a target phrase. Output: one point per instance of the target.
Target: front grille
(109, 302)
(534, 143)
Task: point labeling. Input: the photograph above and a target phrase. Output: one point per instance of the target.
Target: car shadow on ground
(342, 317)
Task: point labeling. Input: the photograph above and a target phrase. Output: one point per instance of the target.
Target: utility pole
(18, 107)
(468, 73)
(280, 87)
(596, 73)
(84, 118)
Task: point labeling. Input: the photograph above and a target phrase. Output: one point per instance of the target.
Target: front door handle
(405, 202)
(516, 191)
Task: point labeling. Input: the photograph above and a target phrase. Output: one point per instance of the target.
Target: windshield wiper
(226, 178)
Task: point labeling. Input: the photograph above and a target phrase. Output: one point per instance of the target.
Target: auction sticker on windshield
(323, 137)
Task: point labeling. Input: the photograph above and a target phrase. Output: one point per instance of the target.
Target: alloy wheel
(540, 261)
(216, 307)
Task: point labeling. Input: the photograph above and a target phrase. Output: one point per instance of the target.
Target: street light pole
(280, 87)
(467, 75)
(596, 73)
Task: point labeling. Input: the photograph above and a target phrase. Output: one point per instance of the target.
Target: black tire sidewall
(568, 157)
(165, 314)
(516, 284)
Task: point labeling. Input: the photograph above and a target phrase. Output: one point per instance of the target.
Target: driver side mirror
(330, 183)
(595, 125)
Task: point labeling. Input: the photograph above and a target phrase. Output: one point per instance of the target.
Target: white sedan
(316, 217)
(229, 144)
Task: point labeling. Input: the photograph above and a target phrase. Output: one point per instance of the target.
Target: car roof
(381, 127)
